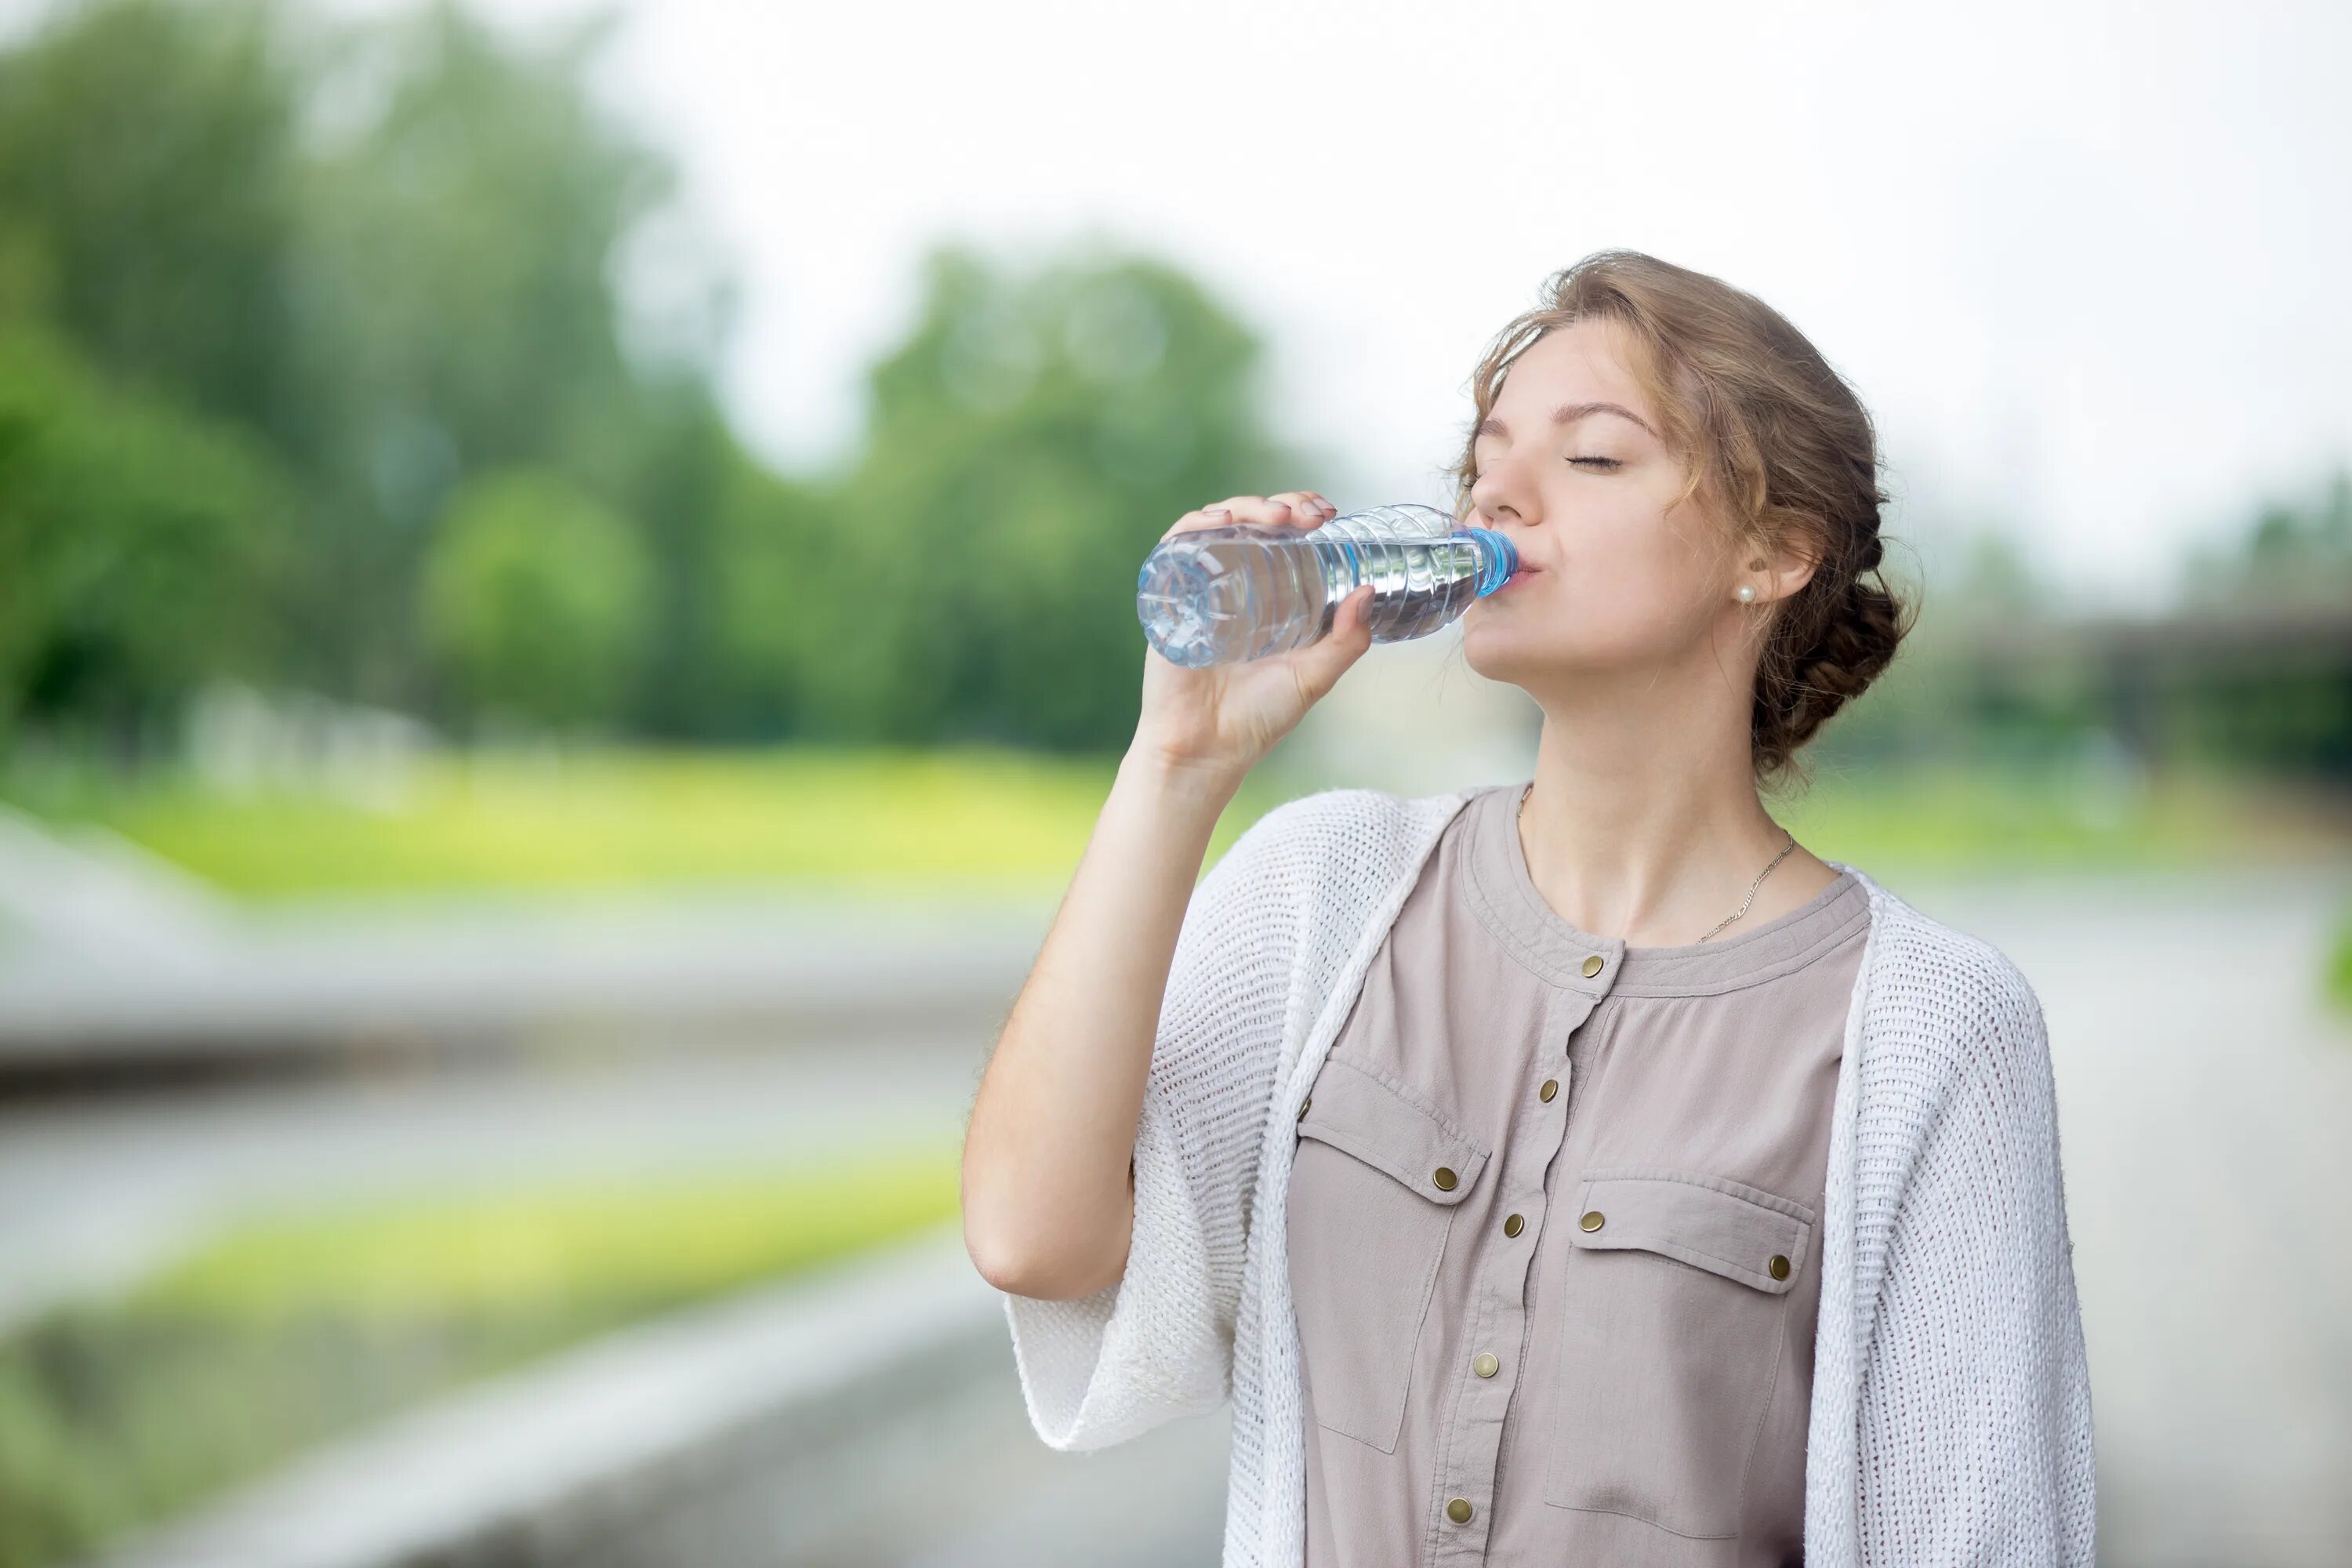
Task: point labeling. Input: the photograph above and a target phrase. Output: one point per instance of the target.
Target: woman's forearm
(1048, 1207)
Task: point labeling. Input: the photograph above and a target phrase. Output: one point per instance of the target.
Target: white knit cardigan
(1951, 1414)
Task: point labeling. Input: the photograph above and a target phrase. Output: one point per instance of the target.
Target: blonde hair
(1773, 440)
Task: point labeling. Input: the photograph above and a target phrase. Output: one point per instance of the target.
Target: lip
(1518, 577)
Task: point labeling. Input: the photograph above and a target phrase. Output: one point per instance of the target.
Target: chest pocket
(1373, 1188)
(1671, 1332)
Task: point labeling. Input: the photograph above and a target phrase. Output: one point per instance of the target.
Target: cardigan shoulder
(1336, 820)
(1936, 971)
(1949, 1019)
(1332, 854)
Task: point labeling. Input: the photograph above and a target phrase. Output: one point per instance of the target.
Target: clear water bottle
(1220, 595)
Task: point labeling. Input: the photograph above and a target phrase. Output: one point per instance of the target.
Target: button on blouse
(1553, 1228)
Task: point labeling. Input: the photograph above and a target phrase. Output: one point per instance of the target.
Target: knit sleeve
(1158, 1343)
(1974, 1440)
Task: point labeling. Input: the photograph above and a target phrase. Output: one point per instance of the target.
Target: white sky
(2083, 261)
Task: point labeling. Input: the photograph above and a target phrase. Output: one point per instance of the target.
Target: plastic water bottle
(1220, 595)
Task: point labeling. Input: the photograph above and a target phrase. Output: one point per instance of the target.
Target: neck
(1657, 836)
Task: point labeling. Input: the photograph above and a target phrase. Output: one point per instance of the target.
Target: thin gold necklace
(1751, 887)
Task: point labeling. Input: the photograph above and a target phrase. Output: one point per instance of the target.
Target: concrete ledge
(320, 981)
(535, 1467)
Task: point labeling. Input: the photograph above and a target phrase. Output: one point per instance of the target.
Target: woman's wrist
(1182, 781)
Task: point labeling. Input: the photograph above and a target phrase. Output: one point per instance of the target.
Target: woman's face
(1615, 575)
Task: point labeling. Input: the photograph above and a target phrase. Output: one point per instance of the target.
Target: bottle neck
(1499, 558)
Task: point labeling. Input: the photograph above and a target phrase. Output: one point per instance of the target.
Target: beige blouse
(1627, 1383)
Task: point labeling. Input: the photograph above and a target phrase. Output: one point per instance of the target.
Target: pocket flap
(1708, 1222)
(1390, 1128)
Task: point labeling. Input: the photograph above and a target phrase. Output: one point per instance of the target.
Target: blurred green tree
(461, 227)
(2284, 702)
(393, 251)
(390, 250)
(139, 550)
(149, 195)
(537, 600)
(973, 576)
(2292, 552)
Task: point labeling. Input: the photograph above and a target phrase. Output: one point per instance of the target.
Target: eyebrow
(1567, 412)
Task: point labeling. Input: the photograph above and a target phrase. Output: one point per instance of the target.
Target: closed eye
(1604, 464)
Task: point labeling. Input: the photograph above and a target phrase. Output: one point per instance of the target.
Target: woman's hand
(1221, 719)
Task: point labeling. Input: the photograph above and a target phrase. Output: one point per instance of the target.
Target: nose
(1502, 492)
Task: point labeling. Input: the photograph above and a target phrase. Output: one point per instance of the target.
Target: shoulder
(1955, 973)
(1342, 839)
(1371, 816)
(1950, 1008)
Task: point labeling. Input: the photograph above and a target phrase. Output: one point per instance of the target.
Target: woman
(1570, 1171)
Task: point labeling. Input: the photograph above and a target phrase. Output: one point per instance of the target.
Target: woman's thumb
(1352, 633)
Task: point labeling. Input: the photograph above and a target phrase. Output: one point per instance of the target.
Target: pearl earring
(1747, 592)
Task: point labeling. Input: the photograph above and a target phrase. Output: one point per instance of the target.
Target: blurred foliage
(141, 550)
(2251, 669)
(1030, 442)
(2296, 551)
(285, 1331)
(391, 256)
(536, 599)
(2288, 705)
(362, 271)
(151, 191)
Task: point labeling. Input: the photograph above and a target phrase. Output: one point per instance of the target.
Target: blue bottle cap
(1496, 561)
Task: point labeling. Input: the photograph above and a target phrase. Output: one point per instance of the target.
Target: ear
(1784, 570)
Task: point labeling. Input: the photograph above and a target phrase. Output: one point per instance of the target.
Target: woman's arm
(1975, 1406)
(1048, 1204)
(1048, 1195)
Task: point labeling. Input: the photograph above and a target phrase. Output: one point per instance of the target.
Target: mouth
(1518, 577)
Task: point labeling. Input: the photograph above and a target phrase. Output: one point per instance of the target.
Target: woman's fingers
(1319, 665)
(1291, 509)
(1306, 509)
(1300, 508)
(1203, 517)
(1263, 511)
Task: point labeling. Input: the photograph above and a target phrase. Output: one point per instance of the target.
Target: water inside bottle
(1245, 591)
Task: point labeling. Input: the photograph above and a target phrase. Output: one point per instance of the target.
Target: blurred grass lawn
(281, 1333)
(986, 821)
(2339, 967)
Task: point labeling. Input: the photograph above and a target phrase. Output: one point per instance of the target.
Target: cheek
(1636, 561)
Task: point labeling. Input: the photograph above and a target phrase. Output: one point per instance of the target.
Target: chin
(1517, 653)
(1496, 654)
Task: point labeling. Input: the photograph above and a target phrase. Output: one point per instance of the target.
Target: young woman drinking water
(1575, 1170)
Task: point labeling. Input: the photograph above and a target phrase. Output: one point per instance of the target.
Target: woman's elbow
(1025, 1265)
